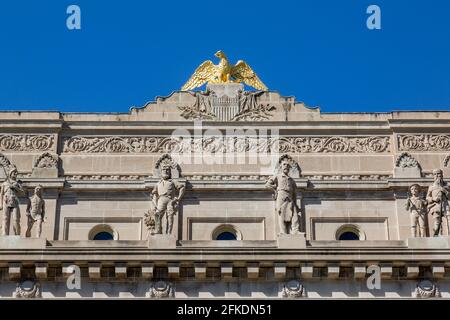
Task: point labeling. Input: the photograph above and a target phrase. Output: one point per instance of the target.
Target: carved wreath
(295, 170)
(293, 289)
(161, 289)
(34, 292)
(166, 159)
(427, 290)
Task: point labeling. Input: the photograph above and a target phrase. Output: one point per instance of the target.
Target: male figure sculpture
(438, 196)
(417, 206)
(166, 196)
(35, 212)
(285, 200)
(10, 191)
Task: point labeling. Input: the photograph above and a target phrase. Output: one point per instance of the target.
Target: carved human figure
(166, 196)
(285, 200)
(35, 212)
(10, 191)
(438, 196)
(417, 206)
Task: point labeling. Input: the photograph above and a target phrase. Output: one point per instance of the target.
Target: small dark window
(348, 235)
(226, 236)
(103, 236)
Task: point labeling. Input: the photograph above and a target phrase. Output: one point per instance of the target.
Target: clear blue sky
(319, 51)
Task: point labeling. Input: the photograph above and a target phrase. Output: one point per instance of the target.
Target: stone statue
(35, 212)
(417, 206)
(285, 200)
(166, 196)
(438, 196)
(10, 191)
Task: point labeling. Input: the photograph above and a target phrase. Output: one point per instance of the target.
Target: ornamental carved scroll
(228, 144)
(424, 142)
(26, 142)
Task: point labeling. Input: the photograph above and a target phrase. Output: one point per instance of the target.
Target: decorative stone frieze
(213, 144)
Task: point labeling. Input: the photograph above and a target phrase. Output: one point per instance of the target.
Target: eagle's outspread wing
(242, 72)
(204, 73)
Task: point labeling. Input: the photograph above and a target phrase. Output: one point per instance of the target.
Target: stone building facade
(100, 173)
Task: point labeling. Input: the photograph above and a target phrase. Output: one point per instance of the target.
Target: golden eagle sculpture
(224, 72)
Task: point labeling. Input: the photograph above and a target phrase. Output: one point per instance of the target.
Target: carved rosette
(293, 289)
(427, 289)
(28, 292)
(46, 161)
(161, 290)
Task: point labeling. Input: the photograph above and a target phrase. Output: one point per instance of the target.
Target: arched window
(226, 232)
(103, 232)
(226, 236)
(103, 236)
(349, 233)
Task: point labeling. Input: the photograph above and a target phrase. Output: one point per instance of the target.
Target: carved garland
(293, 144)
(424, 142)
(26, 143)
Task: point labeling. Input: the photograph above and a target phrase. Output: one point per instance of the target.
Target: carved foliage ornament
(427, 289)
(424, 142)
(214, 144)
(293, 289)
(4, 162)
(12, 142)
(447, 162)
(405, 160)
(161, 290)
(46, 160)
(28, 290)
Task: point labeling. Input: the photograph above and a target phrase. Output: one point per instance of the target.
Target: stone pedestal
(17, 242)
(162, 241)
(291, 241)
(429, 243)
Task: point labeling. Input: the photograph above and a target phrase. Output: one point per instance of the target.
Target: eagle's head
(219, 54)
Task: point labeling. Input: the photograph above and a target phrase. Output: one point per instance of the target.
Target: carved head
(285, 167)
(415, 190)
(438, 176)
(12, 174)
(166, 171)
(38, 191)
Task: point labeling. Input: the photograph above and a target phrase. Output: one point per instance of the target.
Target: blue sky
(319, 51)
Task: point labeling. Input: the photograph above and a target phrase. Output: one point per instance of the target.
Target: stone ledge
(429, 243)
(18, 242)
